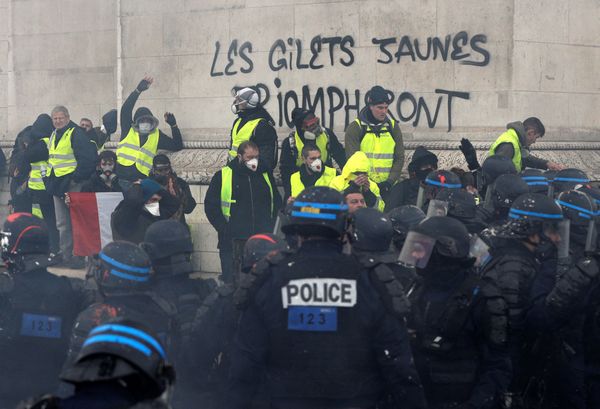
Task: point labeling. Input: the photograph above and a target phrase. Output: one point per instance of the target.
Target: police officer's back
(315, 323)
(169, 245)
(122, 272)
(37, 310)
(122, 365)
(458, 320)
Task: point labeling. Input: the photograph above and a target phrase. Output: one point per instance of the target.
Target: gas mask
(107, 171)
(309, 136)
(153, 208)
(145, 127)
(316, 166)
(252, 164)
(235, 107)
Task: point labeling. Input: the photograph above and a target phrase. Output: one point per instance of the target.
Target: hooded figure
(145, 203)
(356, 173)
(163, 173)
(141, 139)
(405, 192)
(105, 179)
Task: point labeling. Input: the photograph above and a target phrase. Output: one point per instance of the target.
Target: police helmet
(168, 243)
(495, 166)
(370, 230)
(121, 267)
(578, 207)
(126, 350)
(506, 189)
(258, 247)
(23, 234)
(536, 180)
(443, 179)
(592, 192)
(451, 236)
(403, 218)
(530, 214)
(568, 179)
(461, 204)
(318, 211)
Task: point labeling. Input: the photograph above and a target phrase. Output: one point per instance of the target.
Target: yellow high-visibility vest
(238, 136)
(227, 190)
(129, 151)
(322, 143)
(61, 159)
(324, 180)
(379, 150)
(38, 172)
(510, 136)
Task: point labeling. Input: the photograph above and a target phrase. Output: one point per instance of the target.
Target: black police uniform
(122, 366)
(122, 271)
(37, 310)
(314, 322)
(459, 325)
(514, 266)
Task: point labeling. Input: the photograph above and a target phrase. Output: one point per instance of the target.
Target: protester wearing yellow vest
(379, 136)
(516, 141)
(312, 172)
(308, 130)
(36, 154)
(253, 123)
(72, 160)
(141, 138)
(242, 200)
(355, 173)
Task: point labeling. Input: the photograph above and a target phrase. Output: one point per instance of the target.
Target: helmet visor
(559, 234)
(416, 250)
(437, 208)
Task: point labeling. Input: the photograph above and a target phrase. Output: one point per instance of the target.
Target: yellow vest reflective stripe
(324, 180)
(510, 136)
(36, 210)
(38, 173)
(129, 151)
(61, 159)
(322, 141)
(241, 135)
(227, 188)
(379, 151)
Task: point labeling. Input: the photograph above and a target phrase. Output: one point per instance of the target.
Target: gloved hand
(384, 188)
(466, 147)
(145, 83)
(170, 119)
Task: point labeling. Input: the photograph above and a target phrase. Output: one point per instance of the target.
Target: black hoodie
(406, 192)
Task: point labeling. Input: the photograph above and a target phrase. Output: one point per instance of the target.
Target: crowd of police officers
(476, 288)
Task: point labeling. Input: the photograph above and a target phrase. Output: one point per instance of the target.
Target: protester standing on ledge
(379, 136)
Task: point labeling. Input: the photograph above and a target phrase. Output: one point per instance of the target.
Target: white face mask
(316, 166)
(153, 208)
(145, 127)
(252, 164)
(309, 136)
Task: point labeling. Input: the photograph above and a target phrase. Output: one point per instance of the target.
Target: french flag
(90, 220)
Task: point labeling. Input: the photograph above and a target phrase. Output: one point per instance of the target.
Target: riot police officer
(559, 294)
(370, 233)
(461, 205)
(403, 218)
(435, 182)
(536, 180)
(37, 310)
(458, 320)
(532, 227)
(123, 274)
(567, 179)
(215, 324)
(313, 321)
(122, 364)
(168, 243)
(500, 196)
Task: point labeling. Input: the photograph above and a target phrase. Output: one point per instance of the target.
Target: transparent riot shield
(437, 208)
